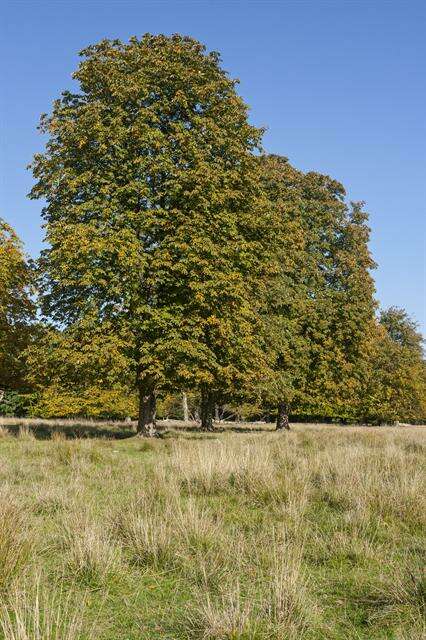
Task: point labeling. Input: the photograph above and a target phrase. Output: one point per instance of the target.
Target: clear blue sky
(340, 85)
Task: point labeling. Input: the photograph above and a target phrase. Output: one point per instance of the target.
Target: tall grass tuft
(287, 606)
(145, 534)
(42, 615)
(227, 617)
(15, 546)
(92, 557)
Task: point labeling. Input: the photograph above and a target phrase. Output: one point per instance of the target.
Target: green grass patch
(318, 534)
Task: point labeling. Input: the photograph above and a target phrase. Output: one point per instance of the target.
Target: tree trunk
(282, 416)
(185, 410)
(216, 413)
(147, 409)
(207, 409)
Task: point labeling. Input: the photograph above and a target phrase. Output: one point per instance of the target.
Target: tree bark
(207, 410)
(185, 410)
(147, 409)
(282, 417)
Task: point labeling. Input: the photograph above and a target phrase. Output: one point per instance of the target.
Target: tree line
(182, 258)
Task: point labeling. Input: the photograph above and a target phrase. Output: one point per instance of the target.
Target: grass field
(314, 534)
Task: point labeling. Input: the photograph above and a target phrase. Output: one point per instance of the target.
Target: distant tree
(402, 330)
(319, 305)
(185, 410)
(82, 370)
(286, 300)
(152, 217)
(349, 309)
(17, 309)
(395, 388)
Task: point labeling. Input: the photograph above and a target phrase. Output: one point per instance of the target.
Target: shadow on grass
(44, 429)
(180, 426)
(45, 432)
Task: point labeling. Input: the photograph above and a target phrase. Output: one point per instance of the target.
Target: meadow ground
(314, 534)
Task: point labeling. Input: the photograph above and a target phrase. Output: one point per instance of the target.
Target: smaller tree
(94, 380)
(319, 304)
(395, 389)
(17, 309)
(286, 299)
(349, 306)
(402, 330)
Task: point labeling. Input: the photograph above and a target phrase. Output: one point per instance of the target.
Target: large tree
(152, 216)
(17, 309)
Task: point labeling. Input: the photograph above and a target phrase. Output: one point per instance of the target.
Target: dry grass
(25, 433)
(43, 616)
(62, 422)
(145, 534)
(310, 535)
(91, 555)
(288, 607)
(15, 545)
(226, 618)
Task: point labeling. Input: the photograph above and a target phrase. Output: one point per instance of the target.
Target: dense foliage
(319, 309)
(183, 262)
(395, 387)
(16, 309)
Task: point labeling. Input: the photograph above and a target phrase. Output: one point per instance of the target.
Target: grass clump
(229, 617)
(15, 546)
(145, 535)
(92, 557)
(44, 615)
